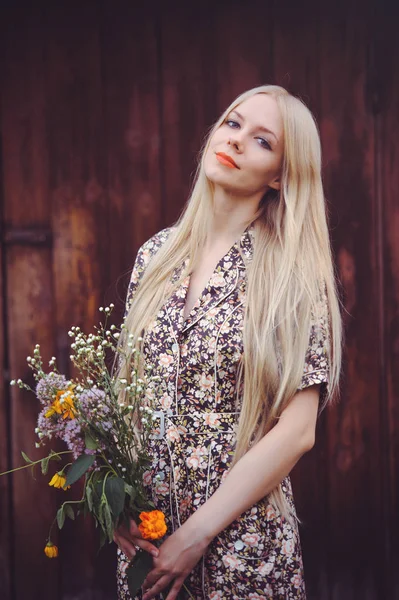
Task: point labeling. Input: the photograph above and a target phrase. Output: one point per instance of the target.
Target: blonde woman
(238, 311)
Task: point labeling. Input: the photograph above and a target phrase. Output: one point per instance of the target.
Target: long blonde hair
(291, 284)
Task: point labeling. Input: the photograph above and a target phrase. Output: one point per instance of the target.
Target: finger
(145, 545)
(158, 587)
(127, 548)
(175, 589)
(151, 579)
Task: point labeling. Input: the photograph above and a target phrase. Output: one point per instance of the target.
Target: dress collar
(226, 276)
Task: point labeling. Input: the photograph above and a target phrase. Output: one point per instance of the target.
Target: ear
(275, 184)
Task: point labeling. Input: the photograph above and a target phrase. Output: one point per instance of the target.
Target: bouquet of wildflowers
(106, 439)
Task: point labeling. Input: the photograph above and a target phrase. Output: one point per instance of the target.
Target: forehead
(262, 110)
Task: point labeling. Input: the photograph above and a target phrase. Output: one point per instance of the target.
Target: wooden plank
(297, 67)
(131, 88)
(29, 286)
(188, 103)
(201, 76)
(355, 565)
(242, 46)
(5, 505)
(78, 183)
(385, 86)
(5, 491)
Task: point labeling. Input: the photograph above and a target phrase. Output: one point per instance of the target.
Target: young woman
(236, 309)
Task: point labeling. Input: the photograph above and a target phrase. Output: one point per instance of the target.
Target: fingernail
(155, 552)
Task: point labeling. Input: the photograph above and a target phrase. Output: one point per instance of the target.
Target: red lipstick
(226, 160)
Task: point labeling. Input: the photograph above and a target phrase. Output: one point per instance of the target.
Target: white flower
(101, 309)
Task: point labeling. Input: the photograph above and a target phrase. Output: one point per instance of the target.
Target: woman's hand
(128, 538)
(178, 555)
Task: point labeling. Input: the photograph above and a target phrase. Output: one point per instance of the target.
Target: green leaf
(61, 517)
(54, 456)
(89, 497)
(107, 519)
(79, 468)
(128, 489)
(90, 442)
(103, 538)
(26, 458)
(44, 465)
(69, 511)
(45, 461)
(138, 570)
(115, 493)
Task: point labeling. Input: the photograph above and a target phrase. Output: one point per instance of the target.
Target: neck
(231, 214)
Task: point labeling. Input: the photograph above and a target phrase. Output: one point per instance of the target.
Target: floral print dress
(259, 554)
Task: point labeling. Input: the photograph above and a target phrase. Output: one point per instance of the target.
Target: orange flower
(152, 526)
(63, 404)
(51, 551)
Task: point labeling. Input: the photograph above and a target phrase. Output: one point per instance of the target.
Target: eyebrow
(261, 127)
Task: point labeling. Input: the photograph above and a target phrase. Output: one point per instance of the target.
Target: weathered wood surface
(103, 112)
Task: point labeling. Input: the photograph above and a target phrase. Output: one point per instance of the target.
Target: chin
(217, 176)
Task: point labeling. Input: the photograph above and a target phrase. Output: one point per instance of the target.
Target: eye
(231, 123)
(264, 143)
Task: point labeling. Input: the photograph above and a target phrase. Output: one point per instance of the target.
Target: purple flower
(47, 387)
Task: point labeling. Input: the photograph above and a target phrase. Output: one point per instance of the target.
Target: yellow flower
(58, 481)
(51, 551)
(64, 405)
(152, 526)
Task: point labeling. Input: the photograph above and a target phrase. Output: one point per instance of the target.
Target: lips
(226, 160)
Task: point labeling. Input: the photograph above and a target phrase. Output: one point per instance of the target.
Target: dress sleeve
(135, 277)
(316, 367)
(144, 255)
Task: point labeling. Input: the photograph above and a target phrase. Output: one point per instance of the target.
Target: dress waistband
(194, 422)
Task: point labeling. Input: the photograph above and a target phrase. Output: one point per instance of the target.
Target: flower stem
(36, 462)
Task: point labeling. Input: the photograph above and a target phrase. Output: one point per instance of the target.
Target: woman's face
(245, 153)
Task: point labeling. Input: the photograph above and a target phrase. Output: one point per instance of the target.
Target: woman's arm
(263, 467)
(254, 476)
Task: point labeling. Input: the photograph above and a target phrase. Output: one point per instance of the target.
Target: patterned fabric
(259, 554)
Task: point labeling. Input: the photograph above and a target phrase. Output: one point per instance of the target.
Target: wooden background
(104, 106)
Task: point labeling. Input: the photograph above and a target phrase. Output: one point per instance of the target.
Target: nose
(235, 141)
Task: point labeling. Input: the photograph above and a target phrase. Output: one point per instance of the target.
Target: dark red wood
(131, 88)
(298, 26)
(353, 442)
(28, 295)
(103, 111)
(79, 203)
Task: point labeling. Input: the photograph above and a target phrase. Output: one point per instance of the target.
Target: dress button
(239, 545)
(175, 347)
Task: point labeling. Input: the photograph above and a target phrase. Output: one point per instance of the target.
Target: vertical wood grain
(131, 87)
(29, 290)
(78, 192)
(353, 460)
(384, 84)
(297, 67)
(5, 505)
(188, 100)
